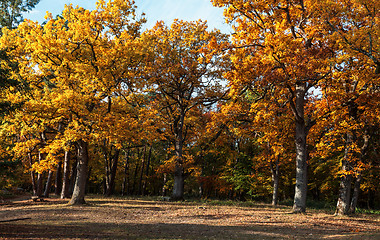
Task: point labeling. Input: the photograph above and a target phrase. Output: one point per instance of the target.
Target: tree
(351, 26)
(274, 125)
(185, 76)
(65, 65)
(10, 16)
(11, 11)
(278, 48)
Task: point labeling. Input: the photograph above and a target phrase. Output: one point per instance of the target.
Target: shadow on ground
(169, 231)
(131, 219)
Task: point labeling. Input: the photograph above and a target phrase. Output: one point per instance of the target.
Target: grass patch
(368, 211)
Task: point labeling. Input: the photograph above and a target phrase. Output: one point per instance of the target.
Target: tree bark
(66, 176)
(73, 175)
(301, 151)
(142, 171)
(179, 179)
(48, 183)
(112, 173)
(58, 174)
(39, 185)
(164, 185)
(58, 180)
(359, 177)
(125, 186)
(107, 168)
(39, 179)
(179, 176)
(275, 178)
(343, 203)
(147, 171)
(81, 178)
(355, 194)
(136, 171)
(32, 175)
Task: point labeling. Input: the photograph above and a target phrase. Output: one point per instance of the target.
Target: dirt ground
(118, 218)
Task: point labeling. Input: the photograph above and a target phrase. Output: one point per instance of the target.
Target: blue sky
(166, 10)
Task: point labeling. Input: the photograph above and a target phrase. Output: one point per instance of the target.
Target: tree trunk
(66, 176)
(164, 185)
(179, 176)
(88, 179)
(107, 167)
(81, 178)
(371, 200)
(275, 179)
(48, 183)
(58, 180)
(40, 189)
(40, 179)
(355, 194)
(301, 152)
(359, 177)
(142, 171)
(32, 175)
(73, 175)
(147, 171)
(136, 171)
(125, 186)
(343, 204)
(112, 173)
(179, 180)
(104, 185)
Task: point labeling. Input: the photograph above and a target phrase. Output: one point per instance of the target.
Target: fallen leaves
(137, 218)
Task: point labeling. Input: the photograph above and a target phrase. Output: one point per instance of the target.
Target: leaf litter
(125, 218)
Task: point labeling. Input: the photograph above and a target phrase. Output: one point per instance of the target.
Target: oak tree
(185, 76)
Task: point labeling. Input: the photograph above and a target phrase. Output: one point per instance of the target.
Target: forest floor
(141, 218)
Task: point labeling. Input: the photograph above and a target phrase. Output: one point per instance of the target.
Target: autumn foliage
(99, 103)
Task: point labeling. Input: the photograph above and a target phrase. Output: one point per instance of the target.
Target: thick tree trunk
(179, 175)
(66, 176)
(179, 179)
(355, 194)
(81, 178)
(48, 183)
(343, 204)
(58, 180)
(275, 178)
(301, 151)
(40, 188)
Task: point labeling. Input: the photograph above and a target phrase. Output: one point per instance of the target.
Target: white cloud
(32, 12)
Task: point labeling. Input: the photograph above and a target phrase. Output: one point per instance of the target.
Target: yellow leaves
(23, 147)
(70, 65)
(48, 16)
